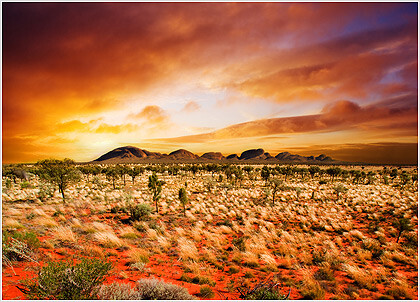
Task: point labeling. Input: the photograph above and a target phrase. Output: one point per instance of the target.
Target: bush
(14, 249)
(203, 280)
(152, 289)
(233, 270)
(206, 292)
(262, 291)
(28, 238)
(140, 212)
(325, 273)
(118, 291)
(25, 185)
(68, 281)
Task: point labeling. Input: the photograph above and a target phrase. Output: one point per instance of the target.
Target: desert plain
(352, 234)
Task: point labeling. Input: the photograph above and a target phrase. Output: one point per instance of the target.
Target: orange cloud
(341, 115)
(191, 106)
(76, 61)
(94, 126)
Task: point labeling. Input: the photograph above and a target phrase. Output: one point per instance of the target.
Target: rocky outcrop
(213, 156)
(130, 154)
(182, 154)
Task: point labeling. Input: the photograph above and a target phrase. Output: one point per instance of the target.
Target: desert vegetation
(209, 231)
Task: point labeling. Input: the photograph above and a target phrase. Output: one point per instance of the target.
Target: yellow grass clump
(108, 239)
(187, 249)
(64, 234)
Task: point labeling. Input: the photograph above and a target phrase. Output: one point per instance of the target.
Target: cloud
(191, 106)
(341, 115)
(154, 115)
(67, 61)
(94, 126)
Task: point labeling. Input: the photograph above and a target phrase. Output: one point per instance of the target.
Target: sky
(80, 79)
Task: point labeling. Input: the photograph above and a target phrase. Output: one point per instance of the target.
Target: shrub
(233, 270)
(13, 249)
(140, 212)
(249, 275)
(239, 243)
(152, 289)
(25, 185)
(262, 291)
(206, 292)
(28, 238)
(203, 280)
(118, 291)
(68, 281)
(325, 273)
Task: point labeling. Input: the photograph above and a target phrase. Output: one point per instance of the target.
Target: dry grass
(10, 223)
(187, 249)
(363, 277)
(64, 234)
(46, 222)
(330, 237)
(108, 239)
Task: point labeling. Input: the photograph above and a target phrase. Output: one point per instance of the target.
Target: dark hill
(130, 154)
(251, 154)
(213, 156)
(182, 154)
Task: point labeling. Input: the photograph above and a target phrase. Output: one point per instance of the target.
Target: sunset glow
(80, 79)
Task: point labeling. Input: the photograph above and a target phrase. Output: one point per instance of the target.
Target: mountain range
(130, 154)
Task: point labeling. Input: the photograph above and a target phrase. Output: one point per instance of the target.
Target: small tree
(402, 224)
(333, 172)
(276, 184)
(339, 189)
(58, 172)
(155, 187)
(298, 191)
(122, 170)
(182, 194)
(265, 173)
(134, 172)
(314, 170)
(111, 173)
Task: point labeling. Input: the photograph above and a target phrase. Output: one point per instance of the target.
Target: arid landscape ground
(352, 234)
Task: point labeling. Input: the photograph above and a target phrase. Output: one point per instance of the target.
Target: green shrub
(14, 249)
(185, 278)
(206, 292)
(152, 289)
(233, 270)
(140, 212)
(68, 281)
(266, 291)
(203, 280)
(249, 275)
(28, 238)
(25, 185)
